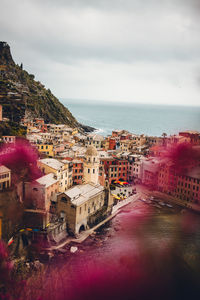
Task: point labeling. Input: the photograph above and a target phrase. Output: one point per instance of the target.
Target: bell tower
(91, 166)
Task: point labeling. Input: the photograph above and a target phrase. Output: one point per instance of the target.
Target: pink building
(41, 194)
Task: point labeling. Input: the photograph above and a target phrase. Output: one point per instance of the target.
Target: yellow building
(124, 145)
(75, 131)
(61, 170)
(46, 149)
(5, 178)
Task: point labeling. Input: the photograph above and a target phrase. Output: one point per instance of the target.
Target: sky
(145, 51)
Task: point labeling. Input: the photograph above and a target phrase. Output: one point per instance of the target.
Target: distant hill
(20, 92)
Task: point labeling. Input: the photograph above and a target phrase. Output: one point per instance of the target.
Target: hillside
(19, 91)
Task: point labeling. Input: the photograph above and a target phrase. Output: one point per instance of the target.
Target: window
(93, 171)
(88, 171)
(63, 199)
(80, 210)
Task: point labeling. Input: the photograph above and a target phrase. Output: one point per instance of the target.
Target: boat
(158, 206)
(148, 201)
(144, 200)
(161, 203)
(169, 205)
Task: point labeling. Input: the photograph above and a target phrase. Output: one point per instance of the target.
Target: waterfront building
(149, 171)
(115, 169)
(81, 206)
(155, 140)
(193, 135)
(177, 139)
(185, 186)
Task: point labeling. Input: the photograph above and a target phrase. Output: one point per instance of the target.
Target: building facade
(5, 178)
(81, 206)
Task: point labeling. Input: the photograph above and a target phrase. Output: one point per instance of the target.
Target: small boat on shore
(143, 200)
(157, 206)
(169, 205)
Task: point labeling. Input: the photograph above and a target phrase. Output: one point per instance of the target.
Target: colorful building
(184, 186)
(5, 178)
(61, 169)
(42, 194)
(77, 171)
(46, 149)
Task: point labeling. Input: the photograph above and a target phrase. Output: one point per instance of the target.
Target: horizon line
(128, 102)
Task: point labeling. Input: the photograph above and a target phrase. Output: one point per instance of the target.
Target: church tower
(91, 165)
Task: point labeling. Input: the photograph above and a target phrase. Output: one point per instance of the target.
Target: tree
(164, 135)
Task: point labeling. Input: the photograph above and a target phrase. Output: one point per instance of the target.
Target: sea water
(152, 120)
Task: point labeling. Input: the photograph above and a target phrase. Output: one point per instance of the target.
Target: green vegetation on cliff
(20, 92)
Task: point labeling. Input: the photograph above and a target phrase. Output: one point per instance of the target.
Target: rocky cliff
(20, 92)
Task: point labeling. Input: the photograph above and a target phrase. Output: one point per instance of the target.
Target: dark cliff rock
(20, 92)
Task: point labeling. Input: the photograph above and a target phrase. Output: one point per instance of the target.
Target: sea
(152, 120)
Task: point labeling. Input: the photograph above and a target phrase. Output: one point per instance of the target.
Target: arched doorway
(82, 228)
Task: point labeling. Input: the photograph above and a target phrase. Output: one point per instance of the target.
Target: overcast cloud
(119, 50)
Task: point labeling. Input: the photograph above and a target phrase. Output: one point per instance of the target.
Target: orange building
(112, 144)
(77, 172)
(115, 169)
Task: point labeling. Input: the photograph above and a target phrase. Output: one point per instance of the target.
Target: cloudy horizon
(114, 50)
